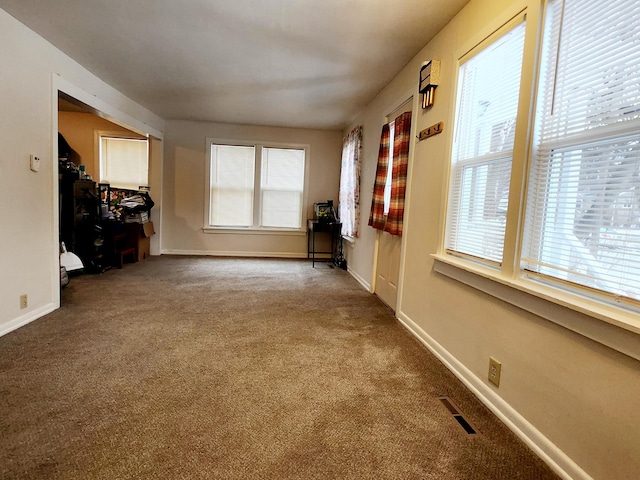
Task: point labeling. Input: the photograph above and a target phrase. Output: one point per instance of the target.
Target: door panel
(388, 268)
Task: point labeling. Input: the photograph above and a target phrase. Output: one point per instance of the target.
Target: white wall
(32, 70)
(575, 398)
(184, 187)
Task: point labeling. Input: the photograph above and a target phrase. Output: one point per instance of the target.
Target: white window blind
(124, 162)
(582, 222)
(487, 103)
(231, 183)
(282, 186)
(256, 186)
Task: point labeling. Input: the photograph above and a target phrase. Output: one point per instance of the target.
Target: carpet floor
(217, 368)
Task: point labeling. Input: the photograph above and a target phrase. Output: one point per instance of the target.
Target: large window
(124, 162)
(574, 235)
(583, 210)
(487, 103)
(256, 186)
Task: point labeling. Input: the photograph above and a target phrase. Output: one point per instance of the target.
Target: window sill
(351, 240)
(603, 323)
(255, 231)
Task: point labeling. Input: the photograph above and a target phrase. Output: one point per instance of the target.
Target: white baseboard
(219, 253)
(360, 280)
(536, 440)
(26, 318)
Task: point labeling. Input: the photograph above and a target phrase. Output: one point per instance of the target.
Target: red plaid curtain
(376, 218)
(401, 142)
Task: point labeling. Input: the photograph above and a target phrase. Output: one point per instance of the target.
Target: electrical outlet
(34, 163)
(495, 368)
(23, 301)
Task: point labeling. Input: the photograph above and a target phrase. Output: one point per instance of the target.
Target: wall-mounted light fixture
(429, 80)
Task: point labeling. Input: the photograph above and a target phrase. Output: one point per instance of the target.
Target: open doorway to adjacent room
(101, 159)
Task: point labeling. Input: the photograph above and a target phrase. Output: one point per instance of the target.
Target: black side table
(314, 226)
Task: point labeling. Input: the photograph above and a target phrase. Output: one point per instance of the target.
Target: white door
(388, 268)
(388, 246)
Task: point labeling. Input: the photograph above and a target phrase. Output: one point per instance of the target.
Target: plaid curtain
(349, 204)
(376, 218)
(401, 140)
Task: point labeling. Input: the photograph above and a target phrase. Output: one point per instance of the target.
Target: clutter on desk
(324, 212)
(125, 205)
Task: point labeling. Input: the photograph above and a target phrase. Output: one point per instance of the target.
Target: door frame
(107, 111)
(412, 97)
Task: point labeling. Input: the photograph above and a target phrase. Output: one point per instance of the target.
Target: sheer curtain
(349, 201)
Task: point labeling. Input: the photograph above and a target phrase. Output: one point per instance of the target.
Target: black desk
(332, 228)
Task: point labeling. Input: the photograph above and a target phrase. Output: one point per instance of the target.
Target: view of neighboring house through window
(256, 186)
(487, 103)
(583, 210)
(577, 229)
(124, 162)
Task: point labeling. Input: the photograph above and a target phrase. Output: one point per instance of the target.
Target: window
(232, 179)
(282, 187)
(256, 186)
(583, 208)
(124, 162)
(573, 238)
(487, 103)
(349, 200)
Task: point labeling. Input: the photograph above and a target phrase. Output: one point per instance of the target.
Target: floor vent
(449, 405)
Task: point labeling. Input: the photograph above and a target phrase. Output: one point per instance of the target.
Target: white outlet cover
(34, 163)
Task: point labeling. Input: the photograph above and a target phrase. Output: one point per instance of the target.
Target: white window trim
(255, 230)
(605, 323)
(349, 239)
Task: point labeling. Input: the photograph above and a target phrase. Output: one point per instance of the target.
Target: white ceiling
(295, 63)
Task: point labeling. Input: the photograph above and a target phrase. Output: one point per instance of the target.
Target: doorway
(388, 248)
(84, 129)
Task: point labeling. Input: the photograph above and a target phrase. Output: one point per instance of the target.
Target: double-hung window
(574, 236)
(124, 162)
(583, 208)
(487, 103)
(254, 186)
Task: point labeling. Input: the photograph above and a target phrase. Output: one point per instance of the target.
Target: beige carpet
(182, 367)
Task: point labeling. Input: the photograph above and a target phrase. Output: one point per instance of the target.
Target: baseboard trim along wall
(220, 253)
(360, 280)
(29, 317)
(541, 445)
